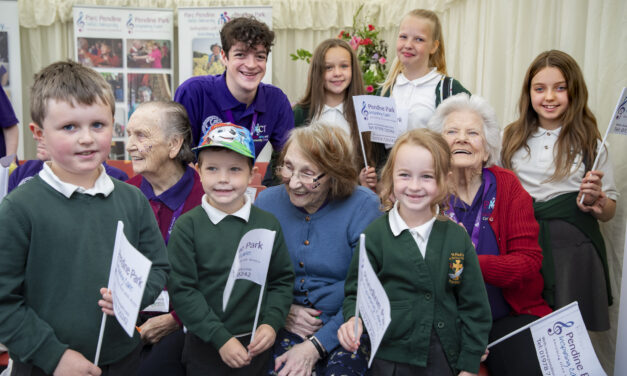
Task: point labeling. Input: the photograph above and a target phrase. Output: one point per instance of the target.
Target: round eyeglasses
(303, 177)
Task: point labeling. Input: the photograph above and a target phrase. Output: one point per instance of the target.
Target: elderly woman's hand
(158, 327)
(303, 321)
(298, 361)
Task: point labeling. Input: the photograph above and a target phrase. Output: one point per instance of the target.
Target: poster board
(10, 61)
(132, 49)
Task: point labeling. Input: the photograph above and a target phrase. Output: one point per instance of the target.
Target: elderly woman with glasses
(322, 211)
(497, 213)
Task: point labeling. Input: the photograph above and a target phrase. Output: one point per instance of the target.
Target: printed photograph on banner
(148, 53)
(146, 87)
(4, 58)
(119, 122)
(99, 52)
(206, 57)
(117, 150)
(116, 80)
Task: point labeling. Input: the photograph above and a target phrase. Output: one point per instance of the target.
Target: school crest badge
(456, 267)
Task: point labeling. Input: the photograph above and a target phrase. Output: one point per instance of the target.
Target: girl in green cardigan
(428, 267)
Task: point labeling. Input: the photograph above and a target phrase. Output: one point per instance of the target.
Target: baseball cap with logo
(230, 136)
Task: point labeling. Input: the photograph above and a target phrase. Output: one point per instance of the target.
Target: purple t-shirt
(481, 209)
(30, 168)
(7, 118)
(208, 101)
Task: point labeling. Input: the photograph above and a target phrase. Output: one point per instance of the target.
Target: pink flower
(370, 27)
(369, 88)
(355, 42)
(382, 61)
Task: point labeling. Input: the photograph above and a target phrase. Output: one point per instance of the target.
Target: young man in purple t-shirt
(238, 96)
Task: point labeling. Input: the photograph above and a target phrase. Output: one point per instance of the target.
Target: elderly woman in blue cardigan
(322, 211)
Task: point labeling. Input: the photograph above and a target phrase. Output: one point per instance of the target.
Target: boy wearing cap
(202, 248)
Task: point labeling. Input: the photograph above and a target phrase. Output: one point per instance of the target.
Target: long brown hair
(579, 134)
(314, 97)
(437, 59)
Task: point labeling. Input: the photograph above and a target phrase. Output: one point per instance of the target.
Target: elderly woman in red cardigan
(497, 212)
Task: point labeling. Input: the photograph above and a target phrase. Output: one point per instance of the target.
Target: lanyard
(175, 215)
(229, 117)
(474, 237)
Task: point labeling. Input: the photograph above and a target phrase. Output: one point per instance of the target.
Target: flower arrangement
(371, 51)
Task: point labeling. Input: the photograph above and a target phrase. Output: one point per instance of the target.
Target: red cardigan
(517, 269)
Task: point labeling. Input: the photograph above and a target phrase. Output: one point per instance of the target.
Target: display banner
(10, 62)
(132, 49)
(199, 38)
(563, 346)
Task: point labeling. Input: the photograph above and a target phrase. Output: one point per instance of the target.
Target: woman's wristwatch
(321, 351)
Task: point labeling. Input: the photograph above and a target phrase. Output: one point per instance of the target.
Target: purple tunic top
(174, 199)
(208, 101)
(477, 215)
(30, 168)
(7, 117)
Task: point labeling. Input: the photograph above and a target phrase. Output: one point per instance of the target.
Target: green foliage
(371, 51)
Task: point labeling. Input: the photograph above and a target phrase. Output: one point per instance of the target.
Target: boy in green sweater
(202, 247)
(58, 232)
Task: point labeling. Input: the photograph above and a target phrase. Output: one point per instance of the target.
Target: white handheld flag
(619, 119)
(127, 281)
(618, 125)
(562, 344)
(251, 262)
(378, 115)
(373, 302)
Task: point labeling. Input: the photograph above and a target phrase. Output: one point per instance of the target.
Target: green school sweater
(55, 255)
(424, 295)
(201, 255)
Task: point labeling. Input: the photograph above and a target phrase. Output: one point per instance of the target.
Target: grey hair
(174, 122)
(481, 107)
